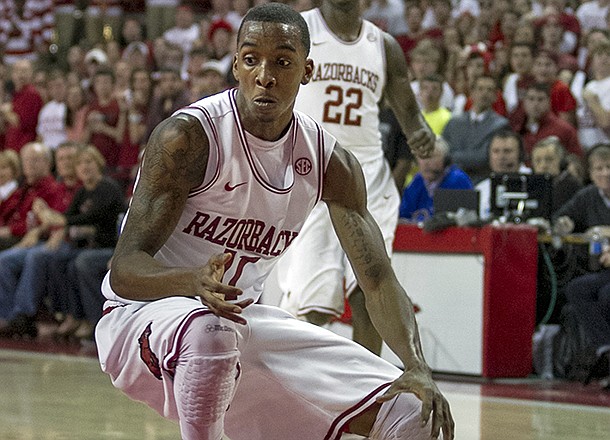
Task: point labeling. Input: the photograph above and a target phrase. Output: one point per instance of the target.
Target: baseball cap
(97, 55)
(218, 24)
(213, 65)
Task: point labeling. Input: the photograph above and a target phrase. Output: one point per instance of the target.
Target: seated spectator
(521, 60)
(589, 294)
(20, 115)
(131, 127)
(15, 220)
(549, 157)
(26, 30)
(98, 15)
(222, 43)
(435, 171)
(430, 91)
(51, 127)
(76, 113)
(208, 81)
(169, 94)
(223, 10)
(469, 134)
(10, 171)
(414, 15)
(506, 155)
(103, 117)
(89, 223)
(90, 220)
(426, 60)
(590, 206)
(185, 32)
(545, 70)
(476, 66)
(596, 98)
(540, 122)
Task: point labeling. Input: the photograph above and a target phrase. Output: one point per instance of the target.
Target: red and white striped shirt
(21, 35)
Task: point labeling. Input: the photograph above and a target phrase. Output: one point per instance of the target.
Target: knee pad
(208, 335)
(400, 419)
(206, 377)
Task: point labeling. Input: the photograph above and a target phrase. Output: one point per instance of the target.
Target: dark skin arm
(389, 307)
(400, 97)
(175, 160)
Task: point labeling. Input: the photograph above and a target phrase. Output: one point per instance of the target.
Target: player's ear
(234, 67)
(309, 66)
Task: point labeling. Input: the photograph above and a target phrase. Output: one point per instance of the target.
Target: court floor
(66, 396)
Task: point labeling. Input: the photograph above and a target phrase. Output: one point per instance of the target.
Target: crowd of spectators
(505, 85)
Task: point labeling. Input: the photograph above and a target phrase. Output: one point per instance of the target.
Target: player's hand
(212, 291)
(419, 382)
(422, 142)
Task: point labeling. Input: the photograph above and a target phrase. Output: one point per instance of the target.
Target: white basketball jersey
(238, 209)
(347, 85)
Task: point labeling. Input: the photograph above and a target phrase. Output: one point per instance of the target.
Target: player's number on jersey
(332, 107)
(239, 269)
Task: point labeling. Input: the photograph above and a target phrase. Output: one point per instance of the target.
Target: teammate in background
(224, 187)
(357, 65)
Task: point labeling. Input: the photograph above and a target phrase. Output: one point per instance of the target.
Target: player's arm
(389, 307)
(401, 99)
(175, 161)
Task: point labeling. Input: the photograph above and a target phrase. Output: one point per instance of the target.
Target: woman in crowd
(90, 222)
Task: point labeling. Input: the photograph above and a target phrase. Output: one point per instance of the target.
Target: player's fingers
(226, 310)
(438, 415)
(427, 405)
(448, 423)
(245, 303)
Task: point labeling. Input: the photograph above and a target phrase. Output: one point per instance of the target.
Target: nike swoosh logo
(317, 43)
(228, 186)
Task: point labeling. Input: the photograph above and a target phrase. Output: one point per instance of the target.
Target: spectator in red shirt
(545, 70)
(21, 114)
(103, 116)
(540, 122)
(15, 220)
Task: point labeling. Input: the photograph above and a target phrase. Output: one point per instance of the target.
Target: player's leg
(398, 419)
(206, 375)
(310, 274)
(364, 332)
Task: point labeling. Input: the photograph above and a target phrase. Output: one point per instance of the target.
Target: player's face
(270, 65)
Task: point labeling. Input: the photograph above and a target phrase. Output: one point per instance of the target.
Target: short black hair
(278, 13)
(507, 133)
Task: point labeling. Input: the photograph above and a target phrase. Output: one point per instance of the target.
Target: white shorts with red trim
(314, 274)
(298, 381)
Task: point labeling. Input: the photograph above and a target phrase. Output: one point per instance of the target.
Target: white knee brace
(205, 391)
(206, 377)
(400, 419)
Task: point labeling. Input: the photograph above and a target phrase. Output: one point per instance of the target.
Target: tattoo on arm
(174, 162)
(360, 243)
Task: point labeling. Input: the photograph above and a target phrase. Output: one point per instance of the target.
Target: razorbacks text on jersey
(240, 208)
(349, 77)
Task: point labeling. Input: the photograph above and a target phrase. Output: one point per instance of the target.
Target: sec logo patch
(303, 166)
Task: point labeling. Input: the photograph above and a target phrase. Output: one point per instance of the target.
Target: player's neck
(344, 23)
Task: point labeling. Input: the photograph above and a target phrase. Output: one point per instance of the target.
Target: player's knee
(400, 419)
(208, 335)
